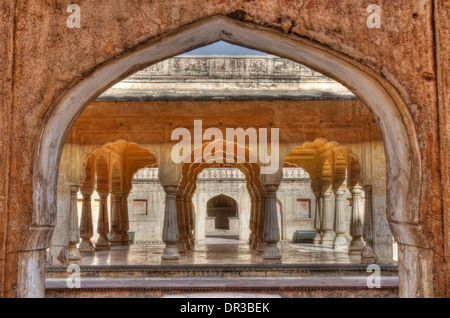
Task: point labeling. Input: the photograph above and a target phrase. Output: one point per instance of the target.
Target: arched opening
(400, 140)
(222, 210)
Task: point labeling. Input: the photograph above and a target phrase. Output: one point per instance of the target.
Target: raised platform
(282, 280)
(351, 286)
(222, 266)
(251, 270)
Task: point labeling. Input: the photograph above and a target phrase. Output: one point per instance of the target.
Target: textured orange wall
(44, 58)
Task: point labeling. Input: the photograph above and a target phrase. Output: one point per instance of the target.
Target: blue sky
(223, 48)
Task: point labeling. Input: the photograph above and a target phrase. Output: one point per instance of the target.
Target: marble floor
(220, 251)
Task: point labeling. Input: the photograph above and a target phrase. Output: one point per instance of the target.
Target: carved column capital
(271, 188)
(103, 194)
(170, 189)
(74, 189)
(86, 192)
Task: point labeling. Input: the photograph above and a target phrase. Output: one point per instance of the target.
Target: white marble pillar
(340, 242)
(116, 204)
(356, 226)
(74, 256)
(103, 221)
(367, 254)
(272, 253)
(86, 227)
(327, 219)
(124, 219)
(170, 230)
(318, 218)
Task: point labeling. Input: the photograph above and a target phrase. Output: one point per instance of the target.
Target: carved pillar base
(250, 239)
(191, 239)
(181, 247)
(317, 238)
(102, 243)
(272, 255)
(115, 239)
(356, 246)
(73, 255)
(261, 247)
(125, 239)
(367, 256)
(340, 242)
(170, 255)
(255, 243)
(86, 248)
(327, 239)
(187, 243)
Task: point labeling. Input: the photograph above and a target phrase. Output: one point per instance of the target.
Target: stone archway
(402, 150)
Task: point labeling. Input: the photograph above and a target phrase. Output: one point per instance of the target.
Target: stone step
(317, 286)
(224, 271)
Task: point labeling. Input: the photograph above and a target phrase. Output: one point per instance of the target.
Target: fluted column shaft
(356, 225)
(271, 234)
(170, 230)
(367, 254)
(327, 219)
(86, 227)
(74, 256)
(340, 242)
(103, 221)
(116, 205)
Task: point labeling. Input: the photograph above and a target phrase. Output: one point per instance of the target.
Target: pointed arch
(396, 125)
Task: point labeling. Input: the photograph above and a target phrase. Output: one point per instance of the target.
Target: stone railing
(228, 67)
(146, 174)
(221, 174)
(295, 173)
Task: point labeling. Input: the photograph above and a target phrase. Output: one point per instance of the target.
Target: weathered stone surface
(442, 25)
(226, 78)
